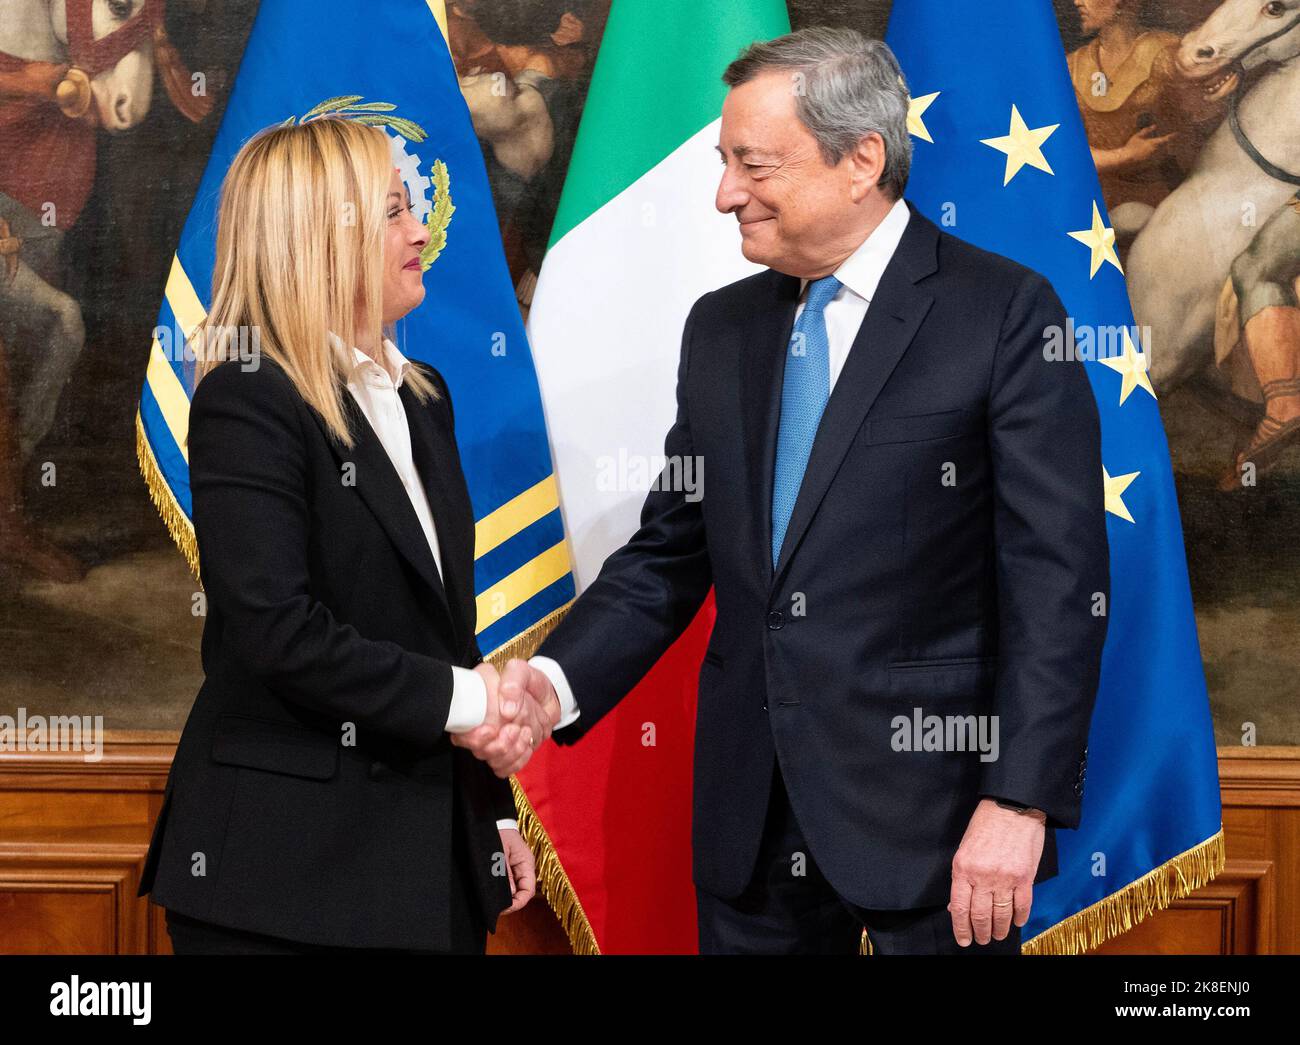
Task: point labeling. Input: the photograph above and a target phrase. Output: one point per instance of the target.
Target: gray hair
(851, 86)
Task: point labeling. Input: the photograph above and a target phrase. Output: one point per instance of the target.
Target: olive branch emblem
(381, 114)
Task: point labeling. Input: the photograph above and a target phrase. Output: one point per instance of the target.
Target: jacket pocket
(950, 676)
(922, 426)
(274, 747)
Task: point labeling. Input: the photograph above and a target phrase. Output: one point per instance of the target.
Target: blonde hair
(300, 242)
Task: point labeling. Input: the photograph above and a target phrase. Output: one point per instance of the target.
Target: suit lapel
(762, 344)
(896, 311)
(438, 463)
(381, 488)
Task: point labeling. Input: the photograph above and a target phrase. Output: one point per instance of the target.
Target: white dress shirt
(860, 274)
(375, 388)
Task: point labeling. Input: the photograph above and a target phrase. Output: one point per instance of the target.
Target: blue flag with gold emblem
(1000, 159)
(388, 65)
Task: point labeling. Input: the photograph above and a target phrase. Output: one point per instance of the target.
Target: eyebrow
(742, 151)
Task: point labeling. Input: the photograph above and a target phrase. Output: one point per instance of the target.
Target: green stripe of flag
(656, 82)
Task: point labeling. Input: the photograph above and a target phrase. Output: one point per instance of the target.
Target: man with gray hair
(905, 531)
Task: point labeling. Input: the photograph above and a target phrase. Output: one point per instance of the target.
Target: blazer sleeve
(1052, 560)
(503, 800)
(646, 593)
(249, 479)
(503, 797)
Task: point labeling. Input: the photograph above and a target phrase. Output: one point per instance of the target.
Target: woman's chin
(410, 302)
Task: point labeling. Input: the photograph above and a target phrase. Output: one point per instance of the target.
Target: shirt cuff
(507, 825)
(468, 701)
(568, 706)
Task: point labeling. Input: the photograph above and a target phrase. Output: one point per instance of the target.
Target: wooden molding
(76, 833)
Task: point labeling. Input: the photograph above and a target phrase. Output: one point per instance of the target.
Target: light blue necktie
(804, 394)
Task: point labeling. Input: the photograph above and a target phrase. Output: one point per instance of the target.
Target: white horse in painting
(1180, 259)
(37, 31)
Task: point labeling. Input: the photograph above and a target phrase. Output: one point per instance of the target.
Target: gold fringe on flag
(1119, 912)
(554, 883)
(525, 644)
(551, 876)
(178, 523)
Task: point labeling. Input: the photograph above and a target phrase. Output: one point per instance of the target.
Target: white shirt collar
(861, 270)
(395, 363)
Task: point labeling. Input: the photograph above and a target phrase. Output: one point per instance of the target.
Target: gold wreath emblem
(380, 114)
(439, 215)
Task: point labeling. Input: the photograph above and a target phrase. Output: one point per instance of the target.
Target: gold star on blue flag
(1151, 803)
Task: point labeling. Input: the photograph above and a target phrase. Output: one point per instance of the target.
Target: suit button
(775, 620)
(377, 770)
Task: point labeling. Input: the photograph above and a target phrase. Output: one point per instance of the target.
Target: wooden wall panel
(73, 836)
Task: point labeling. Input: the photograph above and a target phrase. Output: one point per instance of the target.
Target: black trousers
(468, 931)
(790, 908)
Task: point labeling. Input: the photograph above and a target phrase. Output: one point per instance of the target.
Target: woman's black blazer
(313, 789)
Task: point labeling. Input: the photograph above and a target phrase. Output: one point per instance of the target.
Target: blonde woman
(317, 801)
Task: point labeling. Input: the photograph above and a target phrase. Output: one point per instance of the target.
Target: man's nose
(731, 196)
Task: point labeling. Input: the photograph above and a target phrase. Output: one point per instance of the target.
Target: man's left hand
(993, 872)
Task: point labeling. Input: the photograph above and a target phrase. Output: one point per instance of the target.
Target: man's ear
(868, 162)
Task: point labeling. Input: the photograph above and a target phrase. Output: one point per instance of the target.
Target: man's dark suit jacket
(945, 551)
(325, 607)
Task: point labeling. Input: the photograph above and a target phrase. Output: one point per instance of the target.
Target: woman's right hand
(504, 741)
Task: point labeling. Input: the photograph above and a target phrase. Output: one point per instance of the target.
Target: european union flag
(305, 58)
(1001, 160)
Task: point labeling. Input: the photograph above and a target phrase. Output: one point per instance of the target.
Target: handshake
(522, 709)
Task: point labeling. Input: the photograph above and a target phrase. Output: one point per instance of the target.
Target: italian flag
(636, 241)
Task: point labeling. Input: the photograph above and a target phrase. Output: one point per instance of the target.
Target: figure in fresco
(521, 65)
(66, 69)
(1182, 264)
(1145, 122)
(1264, 281)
